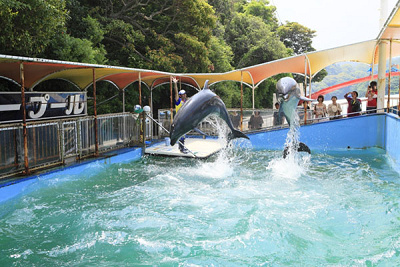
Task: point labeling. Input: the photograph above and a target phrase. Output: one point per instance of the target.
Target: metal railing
(56, 141)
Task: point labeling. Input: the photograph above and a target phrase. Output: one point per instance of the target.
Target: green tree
(299, 38)
(27, 27)
(252, 41)
(263, 10)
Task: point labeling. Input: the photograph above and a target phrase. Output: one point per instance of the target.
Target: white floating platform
(202, 148)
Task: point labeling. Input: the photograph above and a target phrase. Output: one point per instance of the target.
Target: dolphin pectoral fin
(302, 148)
(199, 131)
(236, 134)
(308, 99)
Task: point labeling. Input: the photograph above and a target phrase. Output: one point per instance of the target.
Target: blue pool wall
(13, 189)
(392, 138)
(380, 130)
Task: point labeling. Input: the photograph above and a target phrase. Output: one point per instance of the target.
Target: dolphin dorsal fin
(206, 85)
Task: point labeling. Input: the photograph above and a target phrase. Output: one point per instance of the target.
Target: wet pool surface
(242, 207)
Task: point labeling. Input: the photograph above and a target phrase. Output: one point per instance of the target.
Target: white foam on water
(296, 163)
(290, 168)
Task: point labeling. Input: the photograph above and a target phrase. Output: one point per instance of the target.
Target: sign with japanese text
(42, 105)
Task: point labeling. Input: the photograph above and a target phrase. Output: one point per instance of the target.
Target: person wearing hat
(180, 99)
(334, 109)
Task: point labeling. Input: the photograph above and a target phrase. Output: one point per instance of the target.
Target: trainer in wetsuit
(180, 99)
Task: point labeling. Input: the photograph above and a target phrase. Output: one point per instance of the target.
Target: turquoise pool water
(240, 208)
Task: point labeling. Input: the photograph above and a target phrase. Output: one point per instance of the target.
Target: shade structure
(82, 75)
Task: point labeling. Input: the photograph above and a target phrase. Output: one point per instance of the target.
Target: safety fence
(62, 141)
(55, 142)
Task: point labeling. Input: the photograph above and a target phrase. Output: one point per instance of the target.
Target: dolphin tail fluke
(302, 148)
(236, 134)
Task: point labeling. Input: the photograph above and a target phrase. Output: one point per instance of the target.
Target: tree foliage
(167, 35)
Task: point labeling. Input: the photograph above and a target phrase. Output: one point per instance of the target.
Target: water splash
(295, 164)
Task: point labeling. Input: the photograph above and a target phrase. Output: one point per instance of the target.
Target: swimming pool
(243, 207)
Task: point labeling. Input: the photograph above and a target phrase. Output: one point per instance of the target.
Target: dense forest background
(167, 35)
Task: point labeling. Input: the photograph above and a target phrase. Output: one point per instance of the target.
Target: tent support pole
(24, 130)
(390, 75)
(140, 89)
(241, 101)
(305, 90)
(96, 127)
(171, 97)
(381, 76)
(123, 101)
(253, 96)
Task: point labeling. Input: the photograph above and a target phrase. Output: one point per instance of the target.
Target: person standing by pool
(320, 108)
(279, 117)
(354, 104)
(256, 121)
(180, 99)
(235, 118)
(334, 109)
(372, 95)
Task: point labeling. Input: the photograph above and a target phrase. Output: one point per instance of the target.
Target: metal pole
(123, 100)
(143, 132)
(241, 101)
(253, 96)
(390, 75)
(171, 97)
(123, 117)
(24, 130)
(305, 90)
(96, 134)
(381, 76)
(305, 78)
(140, 89)
(398, 103)
(151, 100)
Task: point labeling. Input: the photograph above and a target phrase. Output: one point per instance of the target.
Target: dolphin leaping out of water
(288, 96)
(196, 109)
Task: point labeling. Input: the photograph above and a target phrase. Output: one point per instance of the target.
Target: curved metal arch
(74, 84)
(245, 83)
(147, 86)
(11, 80)
(165, 83)
(177, 75)
(99, 80)
(45, 77)
(275, 75)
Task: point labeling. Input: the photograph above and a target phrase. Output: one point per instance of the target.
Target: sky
(337, 22)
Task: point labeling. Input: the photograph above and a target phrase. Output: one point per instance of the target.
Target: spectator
(278, 116)
(334, 109)
(256, 121)
(354, 104)
(372, 95)
(235, 118)
(320, 108)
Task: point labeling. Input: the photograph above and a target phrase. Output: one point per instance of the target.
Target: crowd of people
(319, 110)
(354, 107)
